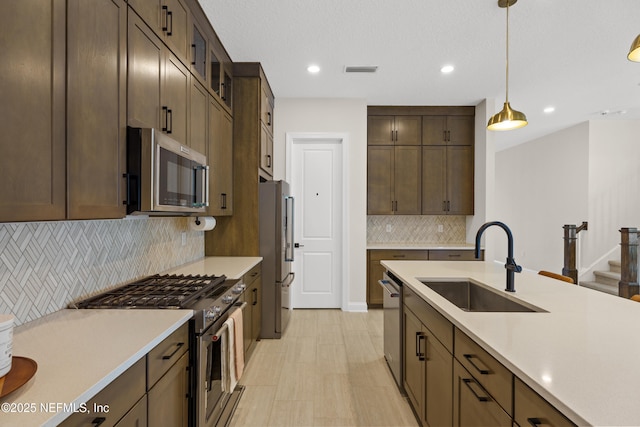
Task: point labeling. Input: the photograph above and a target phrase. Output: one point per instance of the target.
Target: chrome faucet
(511, 265)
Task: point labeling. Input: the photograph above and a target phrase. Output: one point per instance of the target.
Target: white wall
(614, 184)
(335, 116)
(541, 186)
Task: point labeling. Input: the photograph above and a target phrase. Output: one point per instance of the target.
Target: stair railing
(570, 238)
(628, 284)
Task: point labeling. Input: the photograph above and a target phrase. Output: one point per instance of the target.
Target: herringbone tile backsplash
(44, 266)
(416, 229)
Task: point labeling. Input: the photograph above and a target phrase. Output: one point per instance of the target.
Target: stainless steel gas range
(212, 298)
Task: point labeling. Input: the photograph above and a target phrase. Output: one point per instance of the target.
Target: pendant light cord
(507, 67)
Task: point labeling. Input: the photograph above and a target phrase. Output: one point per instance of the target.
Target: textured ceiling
(570, 54)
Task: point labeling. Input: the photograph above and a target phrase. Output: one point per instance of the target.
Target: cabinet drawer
(252, 274)
(439, 326)
(490, 373)
(472, 404)
(391, 254)
(453, 255)
(531, 410)
(165, 354)
(120, 395)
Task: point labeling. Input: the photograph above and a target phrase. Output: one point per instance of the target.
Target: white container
(6, 343)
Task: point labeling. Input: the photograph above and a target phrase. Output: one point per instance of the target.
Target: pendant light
(508, 118)
(634, 52)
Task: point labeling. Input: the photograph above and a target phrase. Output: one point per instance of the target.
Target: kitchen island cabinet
(548, 350)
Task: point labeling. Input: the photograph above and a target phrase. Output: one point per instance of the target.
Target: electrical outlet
(440, 228)
(184, 238)
(389, 228)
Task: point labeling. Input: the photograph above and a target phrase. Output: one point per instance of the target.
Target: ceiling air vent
(360, 68)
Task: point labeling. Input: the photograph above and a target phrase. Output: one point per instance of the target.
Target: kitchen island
(580, 354)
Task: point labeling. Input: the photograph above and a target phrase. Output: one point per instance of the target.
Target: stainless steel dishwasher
(393, 330)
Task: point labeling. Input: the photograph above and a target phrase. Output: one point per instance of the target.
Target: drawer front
(252, 274)
(490, 373)
(165, 354)
(120, 395)
(453, 255)
(380, 254)
(439, 326)
(532, 410)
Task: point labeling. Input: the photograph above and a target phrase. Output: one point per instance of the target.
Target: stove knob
(227, 299)
(212, 313)
(239, 288)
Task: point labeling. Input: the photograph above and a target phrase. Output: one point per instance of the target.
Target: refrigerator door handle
(288, 253)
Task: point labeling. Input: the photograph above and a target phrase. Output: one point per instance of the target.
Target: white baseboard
(356, 307)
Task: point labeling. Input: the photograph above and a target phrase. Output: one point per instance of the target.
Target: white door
(316, 184)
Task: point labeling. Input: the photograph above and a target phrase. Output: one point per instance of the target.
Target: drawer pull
(169, 356)
(481, 370)
(479, 396)
(535, 422)
(419, 337)
(399, 256)
(98, 421)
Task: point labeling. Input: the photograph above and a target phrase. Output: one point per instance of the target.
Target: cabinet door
(32, 115)
(414, 373)
(375, 271)
(460, 180)
(380, 130)
(434, 130)
(226, 91)
(256, 315)
(408, 130)
(380, 180)
(145, 63)
(438, 382)
(175, 98)
(266, 107)
(434, 177)
(472, 405)
(199, 48)
(198, 118)
(461, 130)
(266, 151)
(96, 108)
(136, 417)
(407, 180)
(168, 404)
(220, 160)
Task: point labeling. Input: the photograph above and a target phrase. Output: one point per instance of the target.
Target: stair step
(607, 277)
(615, 266)
(613, 290)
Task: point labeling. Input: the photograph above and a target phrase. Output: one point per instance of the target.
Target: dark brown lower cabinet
(472, 404)
(252, 314)
(428, 369)
(168, 404)
(137, 416)
(532, 410)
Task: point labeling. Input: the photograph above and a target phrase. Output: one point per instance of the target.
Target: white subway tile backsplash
(46, 265)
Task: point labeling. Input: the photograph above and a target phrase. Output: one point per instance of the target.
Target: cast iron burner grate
(158, 291)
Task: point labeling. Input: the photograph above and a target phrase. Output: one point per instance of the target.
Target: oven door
(211, 398)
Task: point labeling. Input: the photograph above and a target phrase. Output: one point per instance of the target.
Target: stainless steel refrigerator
(276, 249)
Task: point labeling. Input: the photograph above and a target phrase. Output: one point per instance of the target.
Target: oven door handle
(392, 293)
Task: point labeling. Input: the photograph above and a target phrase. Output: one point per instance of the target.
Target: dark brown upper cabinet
(448, 130)
(394, 130)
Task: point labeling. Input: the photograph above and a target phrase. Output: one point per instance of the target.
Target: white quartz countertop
(234, 267)
(421, 246)
(78, 353)
(581, 355)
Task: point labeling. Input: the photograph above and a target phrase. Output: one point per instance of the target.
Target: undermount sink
(472, 296)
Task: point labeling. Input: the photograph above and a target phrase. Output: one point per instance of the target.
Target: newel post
(628, 285)
(570, 238)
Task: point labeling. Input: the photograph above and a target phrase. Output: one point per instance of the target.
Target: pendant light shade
(634, 52)
(508, 118)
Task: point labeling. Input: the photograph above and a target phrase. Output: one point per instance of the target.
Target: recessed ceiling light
(549, 110)
(447, 69)
(313, 69)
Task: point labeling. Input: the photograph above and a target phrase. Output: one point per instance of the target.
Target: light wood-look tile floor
(327, 370)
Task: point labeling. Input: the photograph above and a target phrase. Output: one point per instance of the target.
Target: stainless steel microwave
(163, 176)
